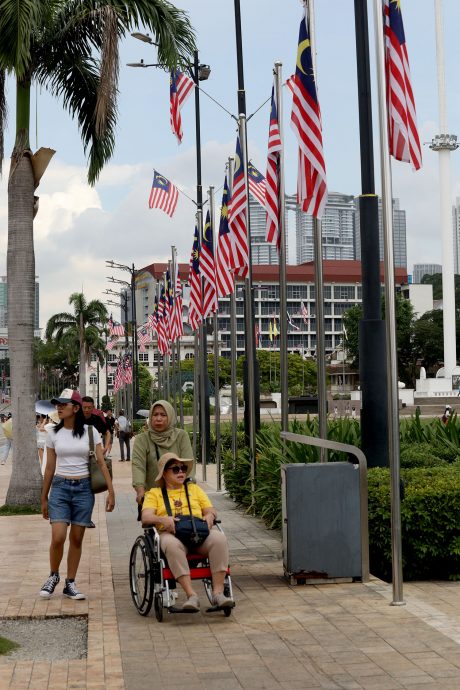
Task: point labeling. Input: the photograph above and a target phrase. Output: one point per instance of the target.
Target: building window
(93, 378)
(144, 357)
(112, 357)
(344, 292)
(110, 379)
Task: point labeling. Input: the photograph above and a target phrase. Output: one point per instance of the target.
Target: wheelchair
(152, 582)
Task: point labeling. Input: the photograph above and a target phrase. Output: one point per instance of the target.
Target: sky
(79, 226)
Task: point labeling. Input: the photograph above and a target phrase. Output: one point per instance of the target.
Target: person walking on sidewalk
(70, 501)
(162, 437)
(7, 428)
(123, 427)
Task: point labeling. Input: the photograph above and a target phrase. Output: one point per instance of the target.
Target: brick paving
(326, 636)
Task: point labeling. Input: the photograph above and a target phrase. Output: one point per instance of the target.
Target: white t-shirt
(123, 423)
(72, 452)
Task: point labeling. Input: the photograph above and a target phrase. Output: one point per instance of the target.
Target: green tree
(404, 336)
(428, 338)
(145, 387)
(80, 330)
(301, 373)
(71, 48)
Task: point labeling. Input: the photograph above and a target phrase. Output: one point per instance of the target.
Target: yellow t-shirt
(8, 428)
(178, 501)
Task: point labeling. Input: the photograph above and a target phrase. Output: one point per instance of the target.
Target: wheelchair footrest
(179, 609)
(212, 609)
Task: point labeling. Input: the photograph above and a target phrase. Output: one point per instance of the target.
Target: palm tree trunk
(25, 482)
(82, 368)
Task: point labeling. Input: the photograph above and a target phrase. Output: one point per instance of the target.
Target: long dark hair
(78, 424)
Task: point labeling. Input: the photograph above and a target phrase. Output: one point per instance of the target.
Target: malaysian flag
(143, 337)
(119, 377)
(111, 343)
(163, 325)
(127, 368)
(306, 123)
(304, 312)
(291, 322)
(180, 87)
(256, 183)
(163, 194)
(224, 277)
(195, 308)
(115, 328)
(168, 303)
(177, 327)
(239, 256)
(208, 269)
(272, 197)
(402, 124)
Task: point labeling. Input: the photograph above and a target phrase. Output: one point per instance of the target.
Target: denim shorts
(71, 501)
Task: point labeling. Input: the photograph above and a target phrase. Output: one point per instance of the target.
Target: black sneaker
(49, 586)
(71, 591)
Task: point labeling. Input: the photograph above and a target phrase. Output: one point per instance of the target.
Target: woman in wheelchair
(172, 474)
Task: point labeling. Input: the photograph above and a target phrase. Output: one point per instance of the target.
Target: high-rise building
(262, 252)
(421, 270)
(4, 304)
(337, 227)
(399, 234)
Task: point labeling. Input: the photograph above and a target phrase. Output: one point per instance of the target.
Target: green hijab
(166, 438)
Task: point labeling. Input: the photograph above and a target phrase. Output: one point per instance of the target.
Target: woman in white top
(70, 501)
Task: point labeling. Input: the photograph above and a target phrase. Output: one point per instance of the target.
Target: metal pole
(135, 397)
(250, 397)
(372, 351)
(390, 315)
(196, 393)
(158, 349)
(166, 356)
(216, 355)
(233, 341)
(181, 401)
(282, 258)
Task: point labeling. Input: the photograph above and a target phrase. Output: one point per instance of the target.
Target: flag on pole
(304, 312)
(291, 322)
(224, 277)
(195, 309)
(163, 195)
(127, 368)
(163, 324)
(256, 183)
(208, 269)
(115, 328)
(306, 123)
(275, 328)
(258, 337)
(177, 328)
(239, 256)
(180, 87)
(119, 379)
(143, 337)
(402, 119)
(272, 200)
(111, 343)
(270, 331)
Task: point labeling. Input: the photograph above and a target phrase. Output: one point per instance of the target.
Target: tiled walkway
(328, 636)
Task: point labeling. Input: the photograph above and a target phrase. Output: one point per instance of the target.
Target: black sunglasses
(178, 468)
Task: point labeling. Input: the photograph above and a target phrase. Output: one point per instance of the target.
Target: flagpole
(390, 312)
(319, 291)
(178, 347)
(166, 355)
(158, 343)
(233, 343)
(216, 352)
(172, 289)
(282, 257)
(196, 392)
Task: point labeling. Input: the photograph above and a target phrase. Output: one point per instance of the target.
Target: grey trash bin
(321, 522)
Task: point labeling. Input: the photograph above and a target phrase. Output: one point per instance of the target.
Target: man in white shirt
(123, 427)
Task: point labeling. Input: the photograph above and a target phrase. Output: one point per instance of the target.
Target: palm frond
(18, 21)
(108, 83)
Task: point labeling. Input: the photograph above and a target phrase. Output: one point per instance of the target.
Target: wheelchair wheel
(158, 606)
(140, 575)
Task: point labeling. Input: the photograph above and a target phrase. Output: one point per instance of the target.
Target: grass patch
(7, 646)
(20, 510)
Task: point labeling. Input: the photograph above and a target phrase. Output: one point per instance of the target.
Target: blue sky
(78, 227)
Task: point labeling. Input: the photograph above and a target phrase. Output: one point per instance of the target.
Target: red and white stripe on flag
(256, 182)
(195, 304)
(272, 200)
(239, 256)
(306, 123)
(402, 119)
(208, 269)
(180, 87)
(225, 278)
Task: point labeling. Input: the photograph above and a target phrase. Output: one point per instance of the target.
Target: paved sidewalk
(328, 636)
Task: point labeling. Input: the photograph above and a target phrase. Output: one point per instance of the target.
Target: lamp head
(203, 72)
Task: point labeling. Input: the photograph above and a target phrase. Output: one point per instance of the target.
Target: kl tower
(443, 144)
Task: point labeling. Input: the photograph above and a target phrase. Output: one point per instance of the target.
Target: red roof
(333, 272)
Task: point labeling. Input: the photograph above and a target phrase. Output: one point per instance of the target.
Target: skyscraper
(421, 270)
(338, 230)
(399, 234)
(262, 252)
(4, 304)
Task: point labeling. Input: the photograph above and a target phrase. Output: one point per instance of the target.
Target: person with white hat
(172, 474)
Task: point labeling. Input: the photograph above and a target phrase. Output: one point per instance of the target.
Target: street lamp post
(132, 271)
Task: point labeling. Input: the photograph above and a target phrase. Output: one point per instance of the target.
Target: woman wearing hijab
(161, 437)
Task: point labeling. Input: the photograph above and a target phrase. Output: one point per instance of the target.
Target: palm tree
(71, 48)
(83, 328)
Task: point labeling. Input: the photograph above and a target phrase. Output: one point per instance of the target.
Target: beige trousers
(215, 547)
